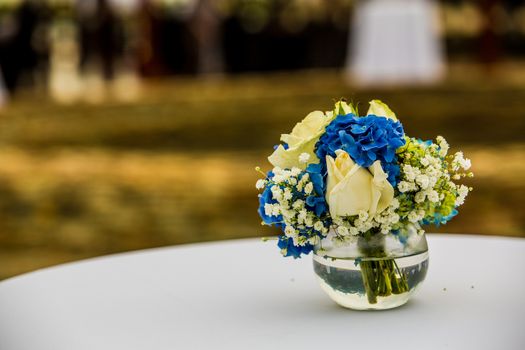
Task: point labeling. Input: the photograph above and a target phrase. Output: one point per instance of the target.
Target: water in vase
(346, 281)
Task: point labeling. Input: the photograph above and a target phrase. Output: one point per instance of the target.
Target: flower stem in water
(382, 278)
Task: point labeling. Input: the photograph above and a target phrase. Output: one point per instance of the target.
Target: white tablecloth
(243, 295)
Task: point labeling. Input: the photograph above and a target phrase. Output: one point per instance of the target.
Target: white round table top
(243, 295)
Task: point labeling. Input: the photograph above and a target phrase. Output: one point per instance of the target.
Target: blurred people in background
(84, 47)
(206, 25)
(489, 47)
(149, 55)
(167, 44)
(64, 80)
(3, 91)
(101, 36)
(23, 50)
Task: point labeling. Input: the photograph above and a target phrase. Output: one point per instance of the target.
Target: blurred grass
(177, 165)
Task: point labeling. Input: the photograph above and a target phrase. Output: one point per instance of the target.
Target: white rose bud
(352, 189)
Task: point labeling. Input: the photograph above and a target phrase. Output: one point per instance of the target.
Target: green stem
(380, 277)
(368, 281)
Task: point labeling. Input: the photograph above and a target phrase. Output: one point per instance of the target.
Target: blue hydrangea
(284, 144)
(440, 219)
(403, 238)
(317, 202)
(314, 202)
(266, 197)
(293, 250)
(426, 142)
(365, 139)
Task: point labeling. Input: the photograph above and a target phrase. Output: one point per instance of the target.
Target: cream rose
(301, 140)
(381, 110)
(351, 188)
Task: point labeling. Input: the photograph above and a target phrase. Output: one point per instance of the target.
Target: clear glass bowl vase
(374, 273)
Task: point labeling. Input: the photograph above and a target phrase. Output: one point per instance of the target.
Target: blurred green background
(174, 162)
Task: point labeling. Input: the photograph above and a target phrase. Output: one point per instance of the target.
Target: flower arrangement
(342, 176)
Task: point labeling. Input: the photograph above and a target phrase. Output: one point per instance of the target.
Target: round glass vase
(377, 272)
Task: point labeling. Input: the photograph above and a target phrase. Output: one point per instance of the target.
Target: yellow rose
(351, 188)
(301, 140)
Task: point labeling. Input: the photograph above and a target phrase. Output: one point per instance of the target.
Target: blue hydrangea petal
(365, 139)
(292, 250)
(359, 129)
(389, 154)
(267, 197)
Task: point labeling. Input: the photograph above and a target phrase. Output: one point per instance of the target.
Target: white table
(243, 295)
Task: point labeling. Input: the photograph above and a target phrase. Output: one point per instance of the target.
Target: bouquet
(341, 176)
